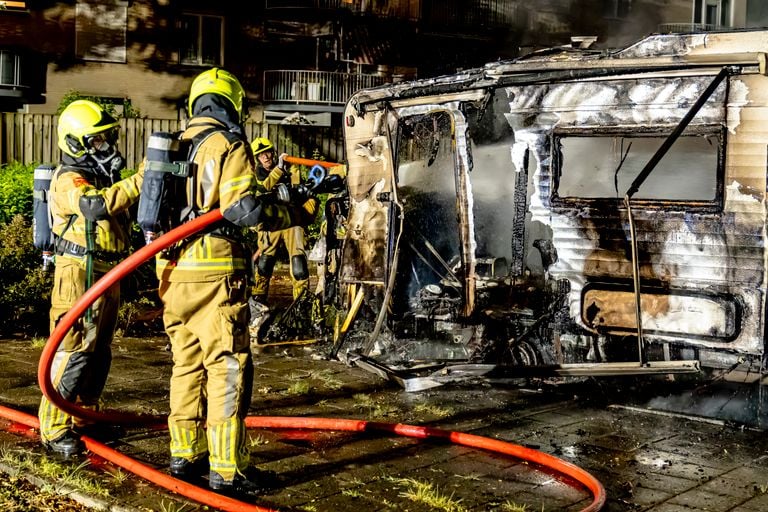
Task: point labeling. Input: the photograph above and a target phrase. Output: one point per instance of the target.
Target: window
(604, 167)
(100, 29)
(9, 67)
(617, 8)
(714, 13)
(202, 40)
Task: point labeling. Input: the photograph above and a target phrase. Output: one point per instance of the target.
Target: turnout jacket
(73, 182)
(225, 178)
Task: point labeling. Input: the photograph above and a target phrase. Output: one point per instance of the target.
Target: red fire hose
(309, 162)
(213, 499)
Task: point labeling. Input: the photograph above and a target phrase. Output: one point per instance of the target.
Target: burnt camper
(569, 212)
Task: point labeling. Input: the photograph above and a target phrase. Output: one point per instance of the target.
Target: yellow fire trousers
(82, 361)
(212, 377)
(268, 243)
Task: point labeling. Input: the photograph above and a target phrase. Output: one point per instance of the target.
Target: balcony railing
(405, 9)
(439, 14)
(318, 87)
(672, 28)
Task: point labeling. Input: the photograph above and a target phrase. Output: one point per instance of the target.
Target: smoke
(726, 401)
(641, 21)
(493, 189)
(552, 23)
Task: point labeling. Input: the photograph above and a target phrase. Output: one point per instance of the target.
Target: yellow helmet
(260, 145)
(221, 82)
(80, 121)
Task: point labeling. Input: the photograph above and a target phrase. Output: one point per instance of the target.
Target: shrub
(25, 290)
(16, 191)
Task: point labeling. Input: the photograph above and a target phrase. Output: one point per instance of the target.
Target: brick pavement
(647, 462)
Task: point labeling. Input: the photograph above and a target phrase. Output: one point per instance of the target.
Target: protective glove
(93, 206)
(281, 160)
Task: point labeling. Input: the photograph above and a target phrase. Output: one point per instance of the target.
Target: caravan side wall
(700, 217)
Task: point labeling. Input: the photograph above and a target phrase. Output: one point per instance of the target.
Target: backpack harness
(167, 197)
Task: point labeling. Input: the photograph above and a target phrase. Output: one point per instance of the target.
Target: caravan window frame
(710, 205)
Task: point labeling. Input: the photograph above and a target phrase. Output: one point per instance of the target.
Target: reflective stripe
(208, 182)
(187, 443)
(223, 264)
(53, 421)
(239, 184)
(232, 389)
(73, 199)
(228, 451)
(129, 187)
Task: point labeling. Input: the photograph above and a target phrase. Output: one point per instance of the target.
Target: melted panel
(679, 312)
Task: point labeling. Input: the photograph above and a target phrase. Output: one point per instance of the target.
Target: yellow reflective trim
(241, 183)
(224, 443)
(233, 445)
(185, 442)
(227, 439)
(206, 265)
(53, 421)
(129, 188)
(73, 198)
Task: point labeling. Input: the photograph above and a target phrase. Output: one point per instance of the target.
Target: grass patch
(39, 342)
(352, 493)
(433, 410)
(167, 506)
(257, 440)
(327, 378)
(427, 494)
(118, 475)
(63, 474)
(298, 388)
(72, 476)
(301, 381)
(373, 409)
(511, 506)
(16, 493)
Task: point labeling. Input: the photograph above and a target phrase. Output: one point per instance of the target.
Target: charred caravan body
(526, 214)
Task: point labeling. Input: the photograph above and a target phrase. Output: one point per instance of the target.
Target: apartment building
(300, 60)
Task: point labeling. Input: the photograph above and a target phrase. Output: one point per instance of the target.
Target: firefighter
(270, 173)
(324, 253)
(88, 204)
(204, 293)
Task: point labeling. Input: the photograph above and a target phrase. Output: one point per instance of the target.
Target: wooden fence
(31, 138)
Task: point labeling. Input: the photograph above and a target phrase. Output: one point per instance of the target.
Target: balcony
(318, 91)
